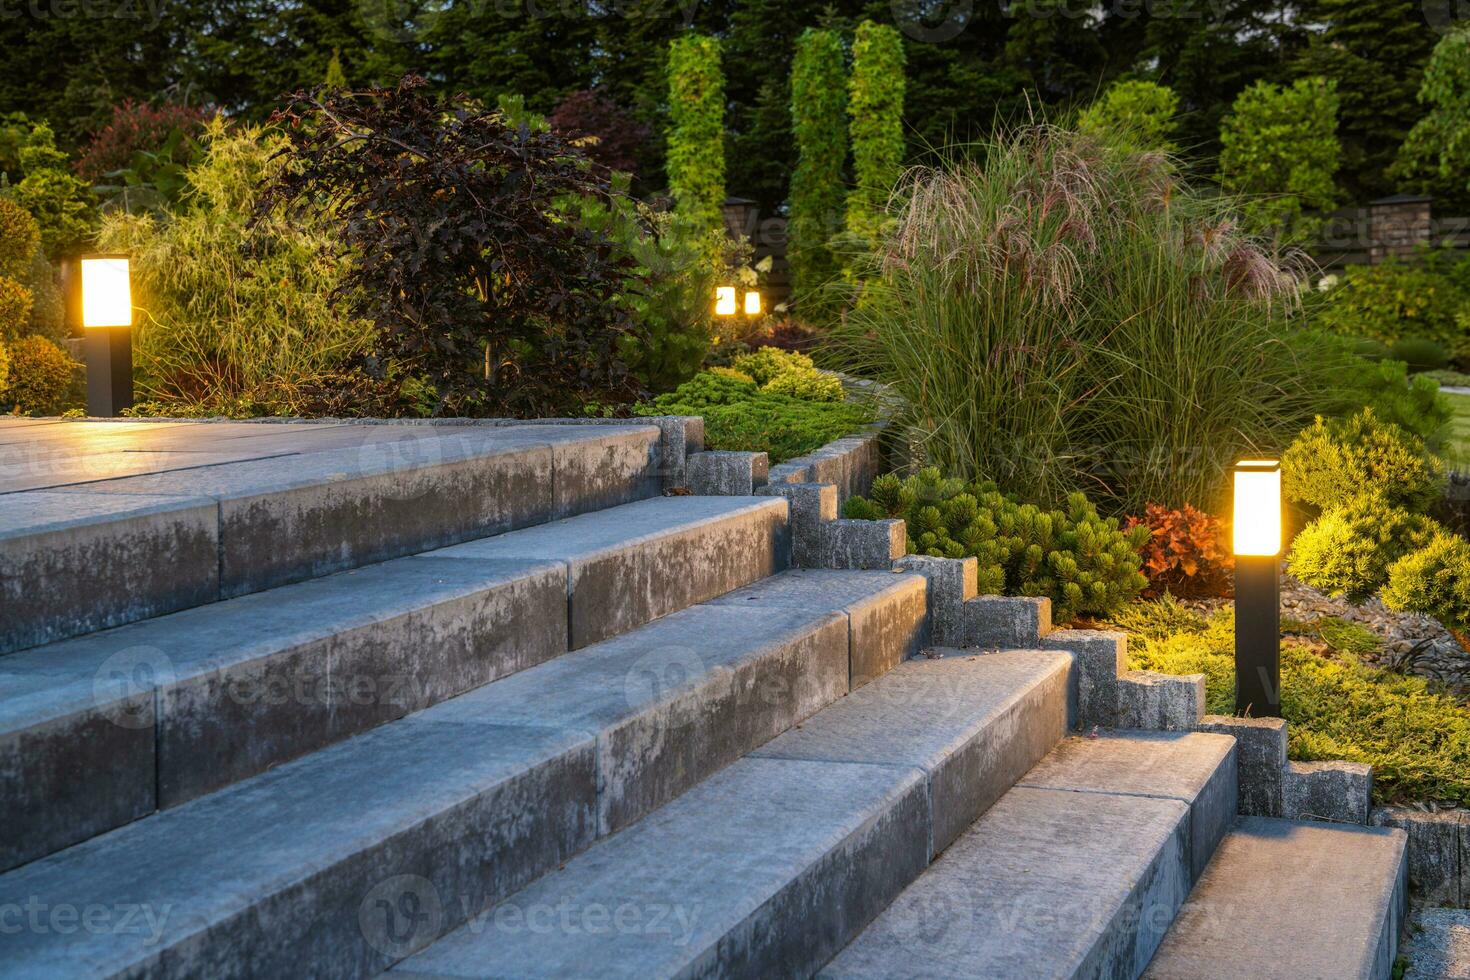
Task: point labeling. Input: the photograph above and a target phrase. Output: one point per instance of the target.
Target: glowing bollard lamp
(729, 303)
(105, 303)
(1258, 588)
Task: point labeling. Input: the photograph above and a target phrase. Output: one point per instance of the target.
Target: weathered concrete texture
(859, 544)
(952, 581)
(1046, 884)
(1004, 623)
(620, 467)
(293, 873)
(850, 464)
(727, 474)
(1196, 769)
(1341, 792)
(1289, 899)
(72, 563)
(1160, 702)
(1101, 658)
(631, 564)
(680, 436)
(812, 505)
(673, 702)
(1437, 871)
(885, 611)
(1260, 747)
(1438, 945)
(973, 724)
(763, 870)
(203, 698)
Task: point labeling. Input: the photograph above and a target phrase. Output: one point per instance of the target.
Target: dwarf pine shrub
(1332, 461)
(1348, 550)
(1435, 580)
(1086, 564)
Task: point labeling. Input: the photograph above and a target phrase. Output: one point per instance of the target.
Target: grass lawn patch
(1418, 741)
(1457, 439)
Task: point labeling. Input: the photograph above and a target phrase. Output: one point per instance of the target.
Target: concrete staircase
(529, 718)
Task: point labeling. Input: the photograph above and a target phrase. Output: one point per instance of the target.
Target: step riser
(154, 727)
(814, 916)
(125, 752)
(171, 541)
(1136, 932)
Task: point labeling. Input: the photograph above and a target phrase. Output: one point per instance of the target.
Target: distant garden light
(1257, 539)
(727, 301)
(101, 294)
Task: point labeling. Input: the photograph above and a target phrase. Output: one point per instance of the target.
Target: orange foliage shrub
(1185, 554)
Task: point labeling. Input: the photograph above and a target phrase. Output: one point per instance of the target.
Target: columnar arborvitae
(696, 150)
(818, 120)
(875, 107)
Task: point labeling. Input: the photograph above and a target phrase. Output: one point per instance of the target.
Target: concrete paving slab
(759, 871)
(886, 610)
(200, 699)
(676, 700)
(1047, 884)
(1197, 769)
(61, 470)
(293, 873)
(973, 724)
(1288, 899)
(631, 564)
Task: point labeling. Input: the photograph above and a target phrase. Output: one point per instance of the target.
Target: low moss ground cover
(1417, 741)
(738, 415)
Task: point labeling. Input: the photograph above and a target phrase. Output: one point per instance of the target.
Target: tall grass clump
(1061, 315)
(235, 320)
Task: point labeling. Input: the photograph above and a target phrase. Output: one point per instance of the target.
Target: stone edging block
(951, 583)
(727, 474)
(1338, 792)
(1160, 702)
(1261, 750)
(1439, 851)
(995, 622)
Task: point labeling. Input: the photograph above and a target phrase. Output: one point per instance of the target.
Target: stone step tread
(89, 553)
(1292, 899)
(1075, 871)
(537, 761)
(630, 564)
(1040, 887)
(773, 863)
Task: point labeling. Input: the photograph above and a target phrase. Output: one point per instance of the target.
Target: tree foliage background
(968, 64)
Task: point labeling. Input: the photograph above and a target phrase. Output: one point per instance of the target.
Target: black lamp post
(100, 288)
(1257, 535)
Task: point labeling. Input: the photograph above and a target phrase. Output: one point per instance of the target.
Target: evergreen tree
(875, 107)
(1376, 52)
(1137, 113)
(336, 77)
(818, 113)
(696, 146)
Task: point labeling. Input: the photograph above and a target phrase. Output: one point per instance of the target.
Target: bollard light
(1257, 541)
(724, 301)
(753, 303)
(103, 305)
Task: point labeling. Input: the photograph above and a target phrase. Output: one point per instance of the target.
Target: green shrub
(1393, 301)
(1112, 343)
(1333, 461)
(20, 236)
(1412, 402)
(738, 415)
(1086, 564)
(875, 106)
(236, 316)
(62, 204)
(1417, 741)
(696, 151)
(15, 307)
(40, 376)
(1347, 551)
(1419, 354)
(1434, 580)
(818, 111)
(1279, 151)
(1138, 114)
(791, 373)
